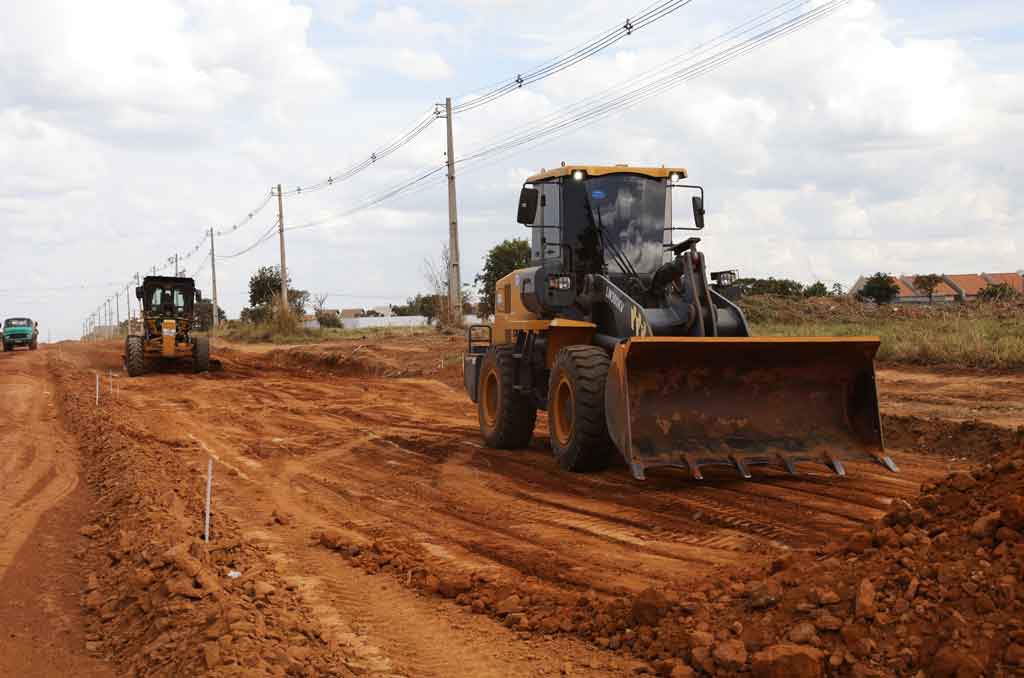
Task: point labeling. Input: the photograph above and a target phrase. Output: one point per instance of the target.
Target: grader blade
(690, 402)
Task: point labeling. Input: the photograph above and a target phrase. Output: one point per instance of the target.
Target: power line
(578, 115)
(250, 215)
(648, 16)
(609, 38)
(653, 84)
(267, 235)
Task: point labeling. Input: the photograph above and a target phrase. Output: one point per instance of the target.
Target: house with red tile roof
(953, 287)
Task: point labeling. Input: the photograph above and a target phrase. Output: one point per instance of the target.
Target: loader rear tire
(134, 356)
(507, 417)
(576, 423)
(201, 354)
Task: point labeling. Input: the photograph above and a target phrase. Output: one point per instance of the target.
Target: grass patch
(957, 341)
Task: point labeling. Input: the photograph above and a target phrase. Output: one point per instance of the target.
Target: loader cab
(602, 219)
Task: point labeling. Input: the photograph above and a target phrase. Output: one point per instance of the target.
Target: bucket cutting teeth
(744, 401)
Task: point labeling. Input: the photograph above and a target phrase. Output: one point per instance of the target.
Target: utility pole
(108, 314)
(454, 281)
(280, 233)
(175, 264)
(213, 273)
(117, 317)
(127, 308)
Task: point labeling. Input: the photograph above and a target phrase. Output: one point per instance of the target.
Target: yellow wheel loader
(166, 325)
(615, 331)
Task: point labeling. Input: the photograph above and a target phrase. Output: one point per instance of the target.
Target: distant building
(310, 322)
(952, 287)
(348, 313)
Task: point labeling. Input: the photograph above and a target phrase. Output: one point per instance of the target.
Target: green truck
(21, 332)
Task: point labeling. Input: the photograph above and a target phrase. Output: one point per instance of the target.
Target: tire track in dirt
(398, 462)
(37, 471)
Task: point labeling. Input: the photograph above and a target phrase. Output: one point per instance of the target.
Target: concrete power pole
(117, 316)
(280, 233)
(213, 270)
(454, 279)
(175, 265)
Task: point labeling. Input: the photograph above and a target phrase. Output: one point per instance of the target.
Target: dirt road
(41, 507)
(358, 471)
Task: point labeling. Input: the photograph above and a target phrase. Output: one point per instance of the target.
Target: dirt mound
(934, 587)
(973, 440)
(161, 601)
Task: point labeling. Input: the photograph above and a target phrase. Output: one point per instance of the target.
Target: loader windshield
(631, 210)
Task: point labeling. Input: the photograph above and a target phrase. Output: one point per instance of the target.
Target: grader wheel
(134, 356)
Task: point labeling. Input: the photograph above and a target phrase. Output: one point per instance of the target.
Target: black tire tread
(517, 413)
(590, 448)
(201, 354)
(134, 356)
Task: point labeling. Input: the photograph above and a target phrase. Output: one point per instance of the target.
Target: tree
(436, 275)
(264, 288)
(782, 287)
(927, 284)
(422, 304)
(204, 312)
(880, 288)
(818, 289)
(837, 289)
(503, 258)
(264, 284)
(997, 292)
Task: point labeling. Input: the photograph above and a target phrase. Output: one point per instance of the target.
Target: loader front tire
(576, 423)
(134, 356)
(201, 354)
(507, 417)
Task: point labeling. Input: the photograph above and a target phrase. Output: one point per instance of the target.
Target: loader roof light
(579, 175)
(674, 177)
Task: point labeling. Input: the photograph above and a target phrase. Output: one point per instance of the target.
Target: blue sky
(878, 139)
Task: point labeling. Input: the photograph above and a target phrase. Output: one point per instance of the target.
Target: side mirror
(528, 199)
(698, 211)
(138, 292)
(199, 295)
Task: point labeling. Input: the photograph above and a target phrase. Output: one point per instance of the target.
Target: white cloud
(860, 144)
(158, 66)
(421, 65)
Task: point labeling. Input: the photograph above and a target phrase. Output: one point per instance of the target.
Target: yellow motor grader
(615, 330)
(166, 325)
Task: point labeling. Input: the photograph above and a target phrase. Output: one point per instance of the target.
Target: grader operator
(615, 331)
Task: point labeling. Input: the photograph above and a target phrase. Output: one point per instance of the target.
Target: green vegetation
(503, 258)
(927, 284)
(973, 335)
(997, 292)
(880, 288)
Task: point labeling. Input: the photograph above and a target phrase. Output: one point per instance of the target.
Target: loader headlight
(579, 175)
(560, 282)
(674, 177)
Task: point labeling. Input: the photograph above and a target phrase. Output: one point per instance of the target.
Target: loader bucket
(742, 401)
